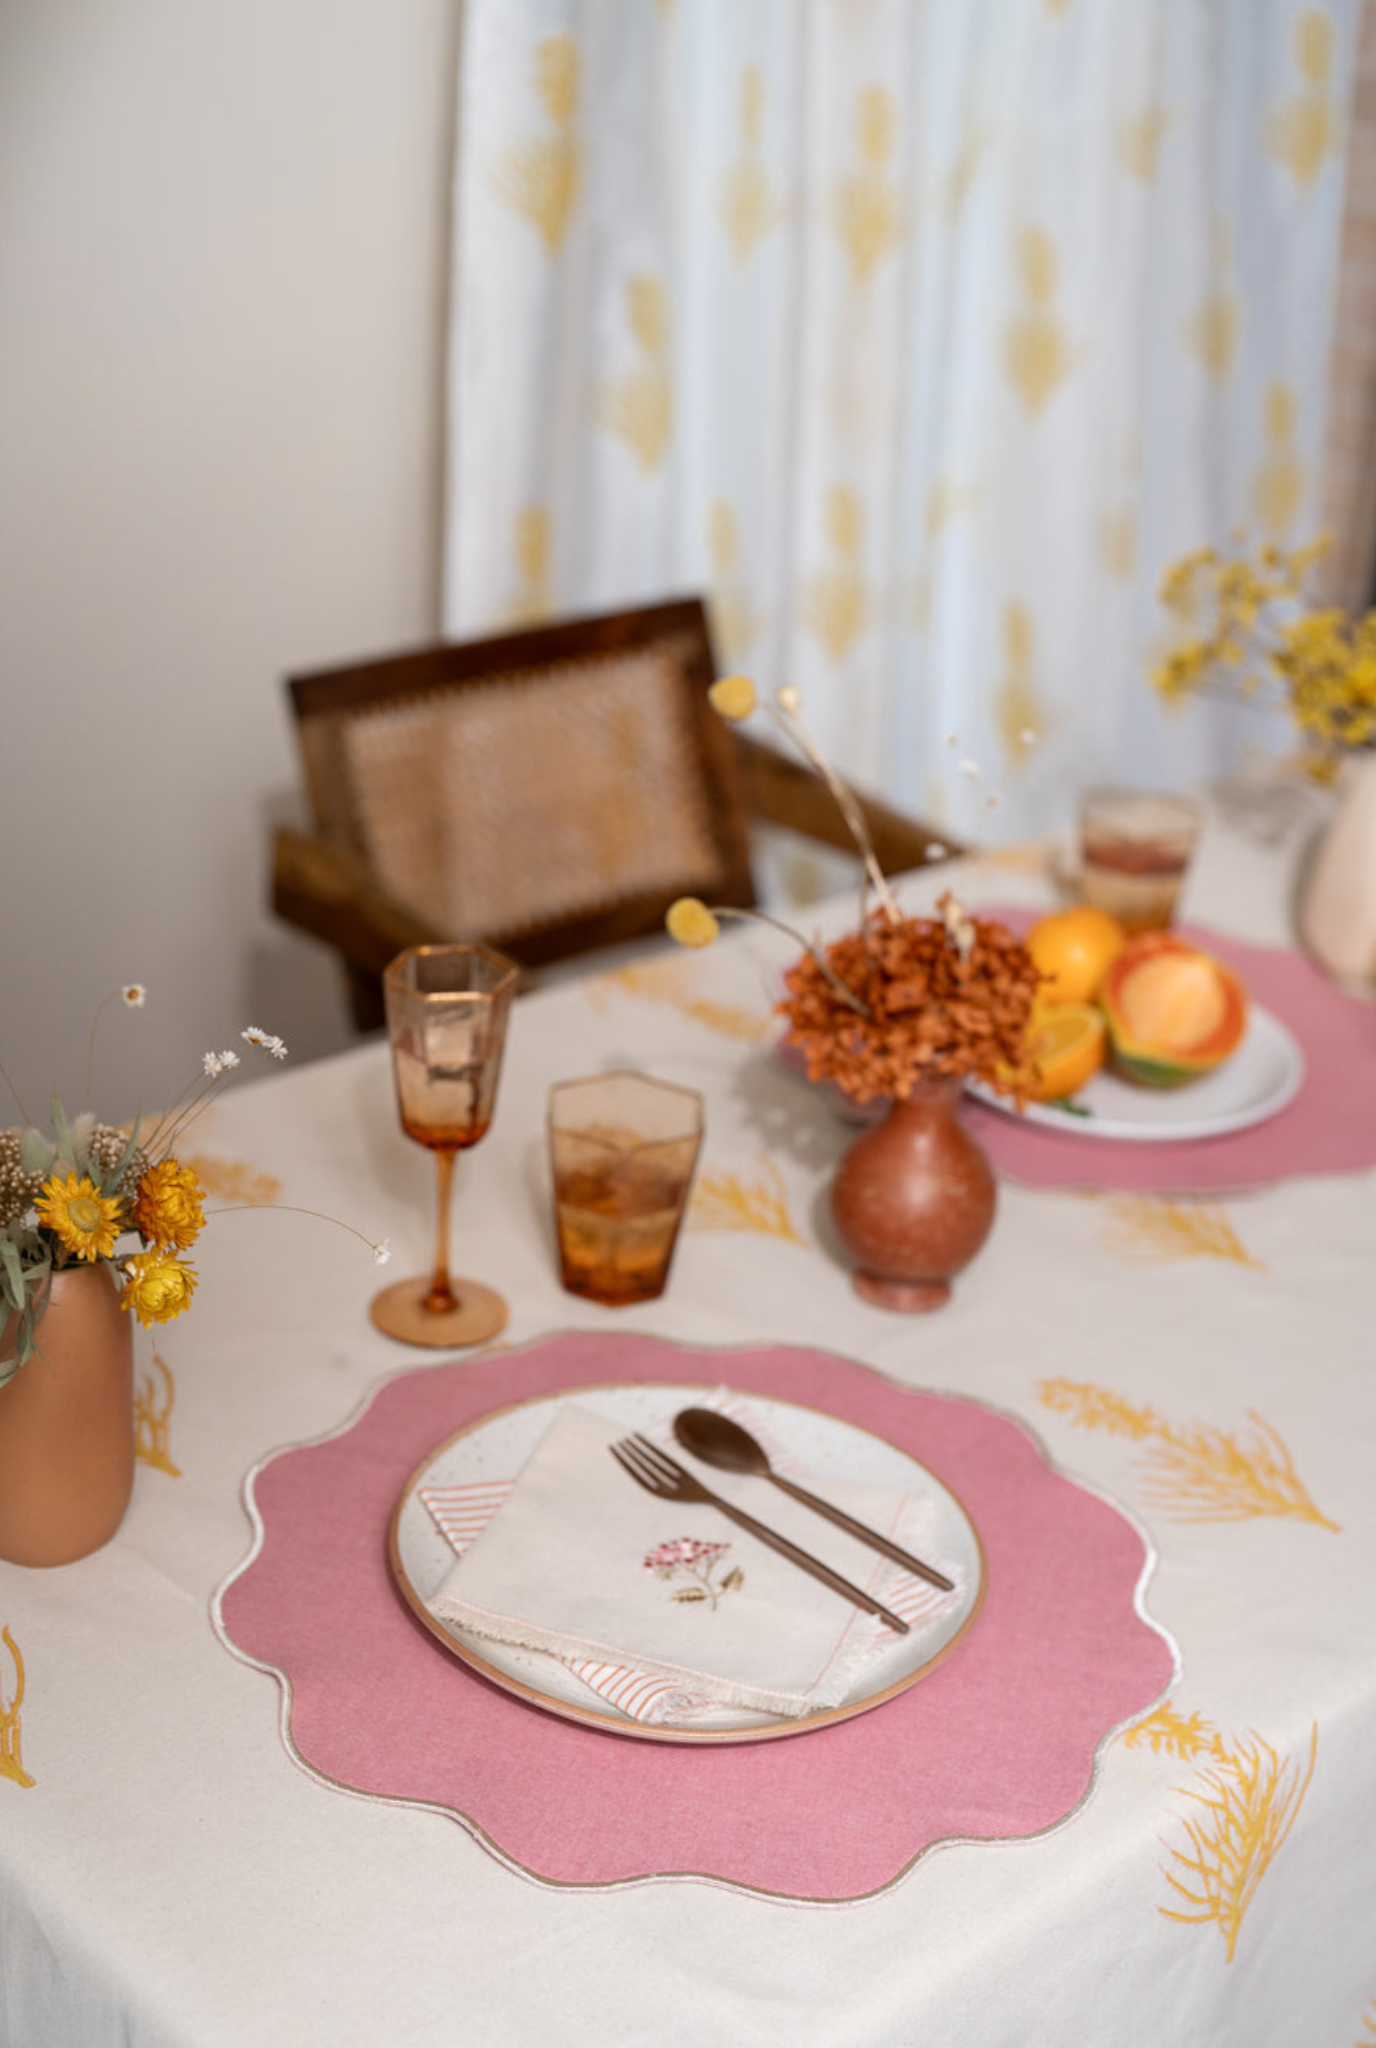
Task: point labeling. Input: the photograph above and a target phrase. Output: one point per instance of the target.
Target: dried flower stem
(763, 917)
(786, 713)
(18, 1100)
(295, 1209)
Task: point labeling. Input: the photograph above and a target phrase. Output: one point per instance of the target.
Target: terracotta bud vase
(67, 1425)
(1337, 914)
(914, 1200)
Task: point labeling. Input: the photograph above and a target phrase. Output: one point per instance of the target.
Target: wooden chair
(551, 790)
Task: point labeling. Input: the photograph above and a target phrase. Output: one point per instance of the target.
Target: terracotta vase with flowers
(70, 1292)
(901, 1010)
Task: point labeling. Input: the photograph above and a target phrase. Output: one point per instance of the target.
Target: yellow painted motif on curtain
(1118, 542)
(735, 621)
(963, 170)
(154, 1397)
(638, 405)
(867, 209)
(1018, 712)
(749, 205)
(1139, 143)
(542, 176)
(531, 549)
(1279, 483)
(836, 601)
(1037, 352)
(1212, 330)
(724, 1201)
(1245, 1800)
(1192, 1471)
(11, 1762)
(1301, 131)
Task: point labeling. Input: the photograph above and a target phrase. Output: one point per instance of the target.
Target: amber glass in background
(1135, 850)
(447, 1009)
(622, 1153)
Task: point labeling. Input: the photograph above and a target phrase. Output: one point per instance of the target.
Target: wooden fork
(660, 1474)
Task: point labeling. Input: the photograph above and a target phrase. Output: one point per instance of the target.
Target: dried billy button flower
(931, 1007)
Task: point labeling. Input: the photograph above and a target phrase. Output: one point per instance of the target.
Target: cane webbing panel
(533, 797)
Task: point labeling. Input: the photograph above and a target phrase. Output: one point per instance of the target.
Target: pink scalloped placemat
(1330, 1127)
(999, 1741)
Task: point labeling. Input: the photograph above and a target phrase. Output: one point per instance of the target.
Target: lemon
(1075, 948)
(1066, 1045)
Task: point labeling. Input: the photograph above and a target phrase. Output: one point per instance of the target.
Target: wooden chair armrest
(786, 792)
(322, 890)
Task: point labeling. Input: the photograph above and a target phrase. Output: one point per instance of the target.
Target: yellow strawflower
(167, 1205)
(82, 1219)
(733, 696)
(691, 922)
(157, 1286)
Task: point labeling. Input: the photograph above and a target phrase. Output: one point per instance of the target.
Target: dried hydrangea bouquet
(903, 1010)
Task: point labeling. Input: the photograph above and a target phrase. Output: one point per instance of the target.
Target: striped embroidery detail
(463, 1512)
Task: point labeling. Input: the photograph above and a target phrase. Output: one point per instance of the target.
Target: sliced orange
(1076, 948)
(1066, 1045)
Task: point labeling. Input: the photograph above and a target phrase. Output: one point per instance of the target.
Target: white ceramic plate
(496, 1447)
(1263, 1075)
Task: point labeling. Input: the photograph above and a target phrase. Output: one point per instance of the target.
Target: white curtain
(920, 334)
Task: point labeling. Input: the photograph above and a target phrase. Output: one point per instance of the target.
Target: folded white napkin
(668, 1608)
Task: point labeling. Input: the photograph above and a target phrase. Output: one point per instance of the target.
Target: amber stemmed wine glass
(447, 1009)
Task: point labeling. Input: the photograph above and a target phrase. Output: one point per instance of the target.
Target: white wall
(222, 282)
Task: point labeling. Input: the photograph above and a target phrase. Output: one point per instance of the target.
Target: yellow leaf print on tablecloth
(638, 405)
(1194, 1472)
(540, 178)
(153, 1401)
(1153, 1228)
(1302, 131)
(723, 1201)
(1139, 143)
(749, 207)
(665, 981)
(736, 624)
(1018, 712)
(836, 602)
(11, 1763)
(531, 549)
(1245, 1803)
(1279, 483)
(1166, 1733)
(1037, 353)
(1367, 2037)
(867, 209)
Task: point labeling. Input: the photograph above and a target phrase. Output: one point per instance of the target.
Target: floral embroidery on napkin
(699, 1561)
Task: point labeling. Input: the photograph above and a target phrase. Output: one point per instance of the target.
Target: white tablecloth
(168, 1875)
